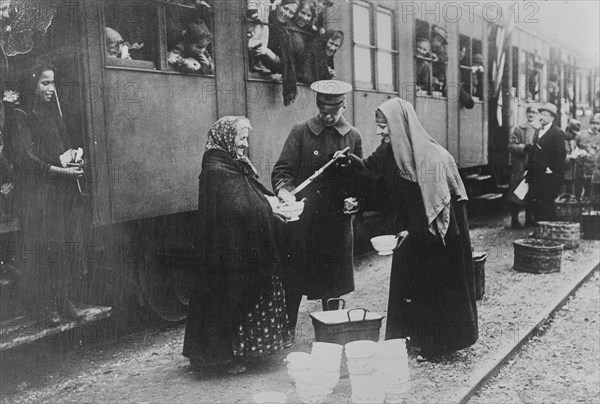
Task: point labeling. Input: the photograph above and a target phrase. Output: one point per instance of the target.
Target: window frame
(461, 41)
(531, 97)
(374, 10)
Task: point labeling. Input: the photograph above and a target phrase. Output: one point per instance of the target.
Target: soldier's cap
(331, 93)
(478, 58)
(437, 30)
(548, 107)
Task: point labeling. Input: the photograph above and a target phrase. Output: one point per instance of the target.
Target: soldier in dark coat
(318, 247)
(545, 166)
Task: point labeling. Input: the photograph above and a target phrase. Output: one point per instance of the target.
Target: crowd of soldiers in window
(289, 38)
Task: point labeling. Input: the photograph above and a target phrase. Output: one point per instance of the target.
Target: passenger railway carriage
(143, 124)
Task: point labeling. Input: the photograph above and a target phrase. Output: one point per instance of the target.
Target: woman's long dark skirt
(432, 291)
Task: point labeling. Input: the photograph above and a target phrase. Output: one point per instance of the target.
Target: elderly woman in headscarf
(432, 287)
(237, 309)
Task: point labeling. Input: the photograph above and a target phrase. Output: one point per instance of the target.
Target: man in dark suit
(545, 166)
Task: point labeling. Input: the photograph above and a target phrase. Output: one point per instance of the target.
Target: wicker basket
(568, 208)
(479, 267)
(563, 232)
(537, 256)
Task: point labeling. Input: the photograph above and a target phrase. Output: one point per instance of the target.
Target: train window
(423, 57)
(471, 66)
(386, 54)
(362, 45)
(534, 76)
(189, 38)
(282, 35)
(477, 69)
(515, 67)
(375, 53)
(523, 61)
(431, 58)
(130, 39)
(464, 49)
(182, 43)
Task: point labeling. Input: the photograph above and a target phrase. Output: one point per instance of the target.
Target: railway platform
(149, 367)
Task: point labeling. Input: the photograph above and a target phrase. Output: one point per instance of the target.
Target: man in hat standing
(521, 136)
(319, 247)
(545, 166)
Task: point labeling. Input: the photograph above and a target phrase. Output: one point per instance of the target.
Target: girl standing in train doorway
(48, 171)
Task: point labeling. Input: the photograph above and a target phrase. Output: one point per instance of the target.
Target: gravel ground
(561, 364)
(148, 367)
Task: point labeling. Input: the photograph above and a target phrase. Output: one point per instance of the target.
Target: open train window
(534, 68)
(189, 37)
(129, 33)
(375, 49)
(431, 58)
(159, 35)
(464, 49)
(515, 68)
(290, 38)
(471, 66)
(477, 69)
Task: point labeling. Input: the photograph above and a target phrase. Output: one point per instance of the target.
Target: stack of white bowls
(310, 380)
(327, 358)
(392, 369)
(367, 386)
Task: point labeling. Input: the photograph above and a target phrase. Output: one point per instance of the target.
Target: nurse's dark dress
(432, 287)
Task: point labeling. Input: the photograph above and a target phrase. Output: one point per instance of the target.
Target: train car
(537, 70)
(143, 119)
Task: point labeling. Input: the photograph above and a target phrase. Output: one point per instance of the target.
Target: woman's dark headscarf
(422, 160)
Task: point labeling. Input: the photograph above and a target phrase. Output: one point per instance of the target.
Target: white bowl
(292, 210)
(360, 349)
(385, 244)
(299, 360)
